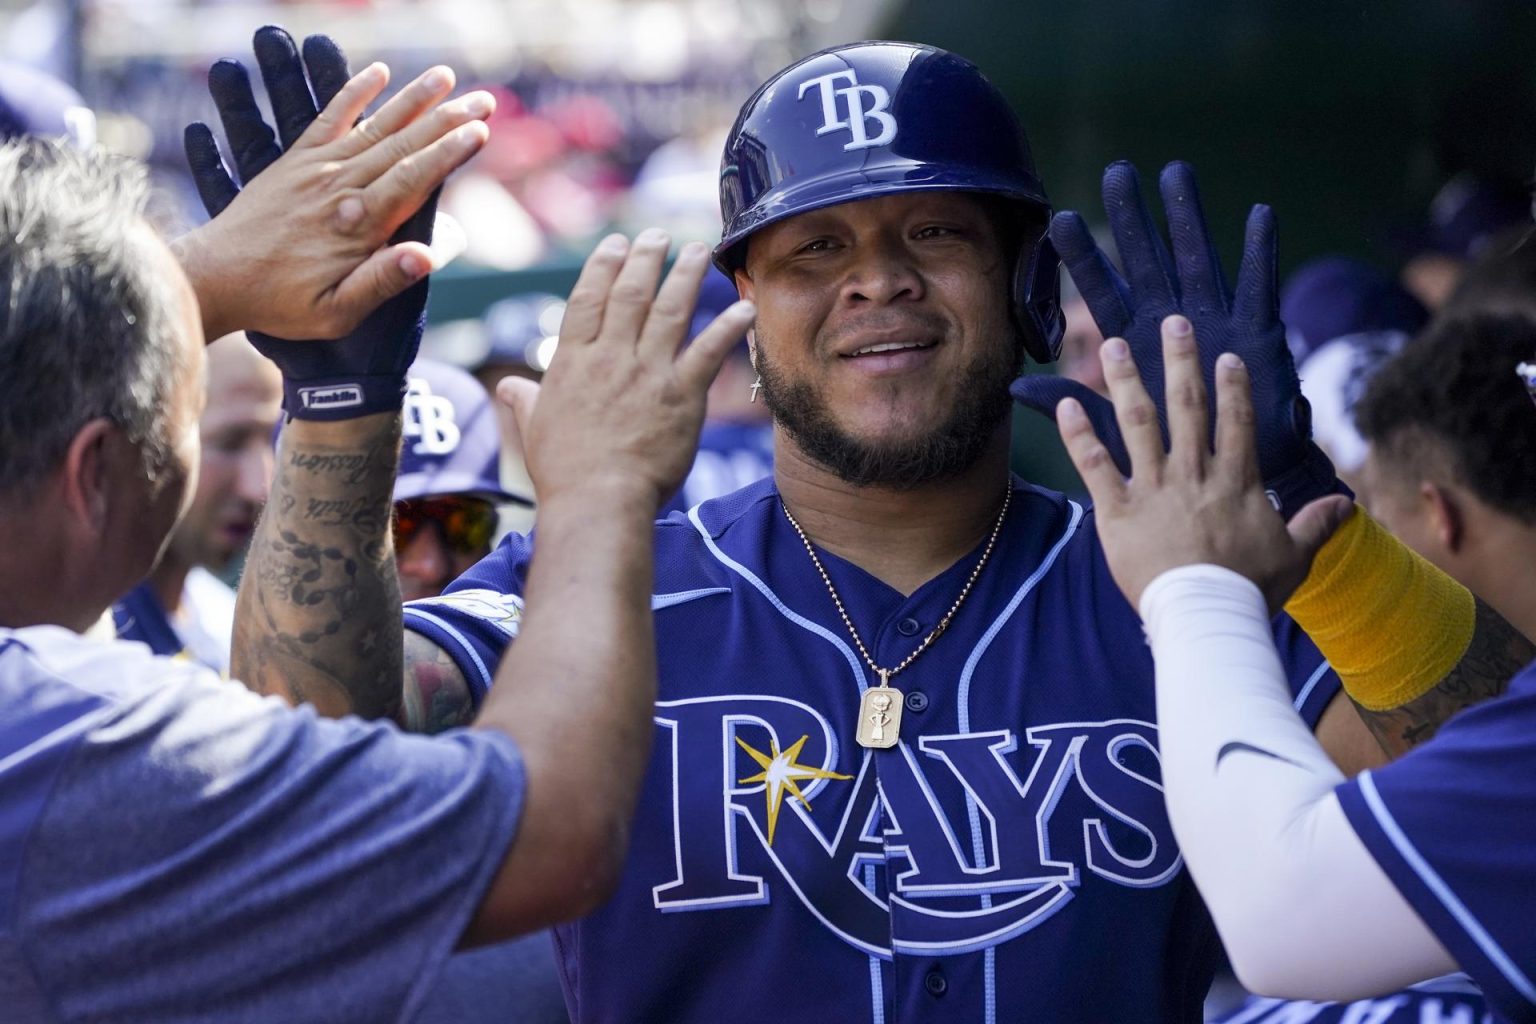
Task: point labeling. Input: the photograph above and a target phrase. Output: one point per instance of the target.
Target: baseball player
(521, 334)
(1343, 320)
(183, 609)
(1449, 1000)
(905, 766)
(447, 496)
(449, 493)
(177, 848)
(1325, 887)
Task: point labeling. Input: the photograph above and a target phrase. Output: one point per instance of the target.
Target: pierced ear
(86, 483)
(746, 290)
(1446, 517)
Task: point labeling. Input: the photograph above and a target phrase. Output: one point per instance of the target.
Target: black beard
(948, 450)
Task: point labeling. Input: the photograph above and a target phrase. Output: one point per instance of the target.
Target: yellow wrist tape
(1391, 624)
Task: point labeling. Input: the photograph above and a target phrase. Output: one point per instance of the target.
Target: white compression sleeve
(1303, 907)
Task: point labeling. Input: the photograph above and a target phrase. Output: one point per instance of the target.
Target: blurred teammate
(447, 498)
(449, 493)
(1343, 318)
(1322, 887)
(1463, 219)
(522, 333)
(33, 103)
(1502, 281)
(906, 762)
(183, 608)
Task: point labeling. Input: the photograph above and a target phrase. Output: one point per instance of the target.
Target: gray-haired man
(175, 848)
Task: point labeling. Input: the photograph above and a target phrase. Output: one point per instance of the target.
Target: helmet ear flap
(1037, 299)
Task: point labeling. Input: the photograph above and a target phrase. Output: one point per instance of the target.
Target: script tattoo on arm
(318, 613)
(1496, 654)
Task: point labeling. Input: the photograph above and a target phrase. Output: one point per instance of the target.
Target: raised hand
(332, 224)
(622, 404)
(1189, 504)
(1189, 281)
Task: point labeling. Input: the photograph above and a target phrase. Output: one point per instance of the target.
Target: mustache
(885, 322)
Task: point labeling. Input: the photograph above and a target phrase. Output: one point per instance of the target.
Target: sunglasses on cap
(466, 524)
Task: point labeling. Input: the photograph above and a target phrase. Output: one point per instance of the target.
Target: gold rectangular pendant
(880, 717)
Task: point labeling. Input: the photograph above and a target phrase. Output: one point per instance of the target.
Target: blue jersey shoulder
(1453, 824)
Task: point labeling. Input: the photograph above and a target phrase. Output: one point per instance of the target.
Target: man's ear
(1447, 518)
(87, 475)
(746, 290)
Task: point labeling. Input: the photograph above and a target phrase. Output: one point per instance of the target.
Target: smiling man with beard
(926, 358)
(905, 762)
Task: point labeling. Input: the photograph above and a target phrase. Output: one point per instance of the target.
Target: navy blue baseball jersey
(1009, 858)
(198, 631)
(140, 616)
(1449, 1000)
(1453, 824)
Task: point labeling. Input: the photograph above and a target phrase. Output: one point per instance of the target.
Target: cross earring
(757, 386)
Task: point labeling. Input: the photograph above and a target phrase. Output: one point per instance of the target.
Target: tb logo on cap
(429, 419)
(866, 103)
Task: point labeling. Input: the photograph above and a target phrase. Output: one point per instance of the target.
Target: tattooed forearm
(360, 512)
(1497, 652)
(318, 614)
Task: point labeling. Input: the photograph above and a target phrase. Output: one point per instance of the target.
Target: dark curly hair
(1456, 384)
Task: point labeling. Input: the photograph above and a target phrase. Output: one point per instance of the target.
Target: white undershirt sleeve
(1303, 908)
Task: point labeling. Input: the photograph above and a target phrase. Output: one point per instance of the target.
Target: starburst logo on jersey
(782, 773)
(865, 103)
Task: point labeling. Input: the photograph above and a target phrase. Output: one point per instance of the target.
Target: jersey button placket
(935, 983)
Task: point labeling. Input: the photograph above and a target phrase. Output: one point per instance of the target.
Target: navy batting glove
(1189, 280)
(364, 372)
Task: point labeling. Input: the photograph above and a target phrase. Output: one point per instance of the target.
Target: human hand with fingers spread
(333, 216)
(1188, 504)
(622, 404)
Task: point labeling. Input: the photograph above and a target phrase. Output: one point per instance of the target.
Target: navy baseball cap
(33, 103)
(1334, 296)
(451, 444)
(523, 330)
(1469, 211)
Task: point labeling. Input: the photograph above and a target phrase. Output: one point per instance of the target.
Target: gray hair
(87, 328)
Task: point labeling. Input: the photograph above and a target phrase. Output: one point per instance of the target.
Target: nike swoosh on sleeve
(1237, 746)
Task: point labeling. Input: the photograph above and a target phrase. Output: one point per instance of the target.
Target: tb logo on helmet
(859, 115)
(429, 419)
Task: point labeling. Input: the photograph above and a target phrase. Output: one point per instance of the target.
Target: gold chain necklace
(880, 707)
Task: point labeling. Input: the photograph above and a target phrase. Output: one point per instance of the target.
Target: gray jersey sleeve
(211, 855)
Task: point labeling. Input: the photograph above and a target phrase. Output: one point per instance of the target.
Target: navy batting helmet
(878, 118)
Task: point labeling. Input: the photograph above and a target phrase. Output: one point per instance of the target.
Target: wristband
(1307, 480)
(1390, 623)
(342, 399)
